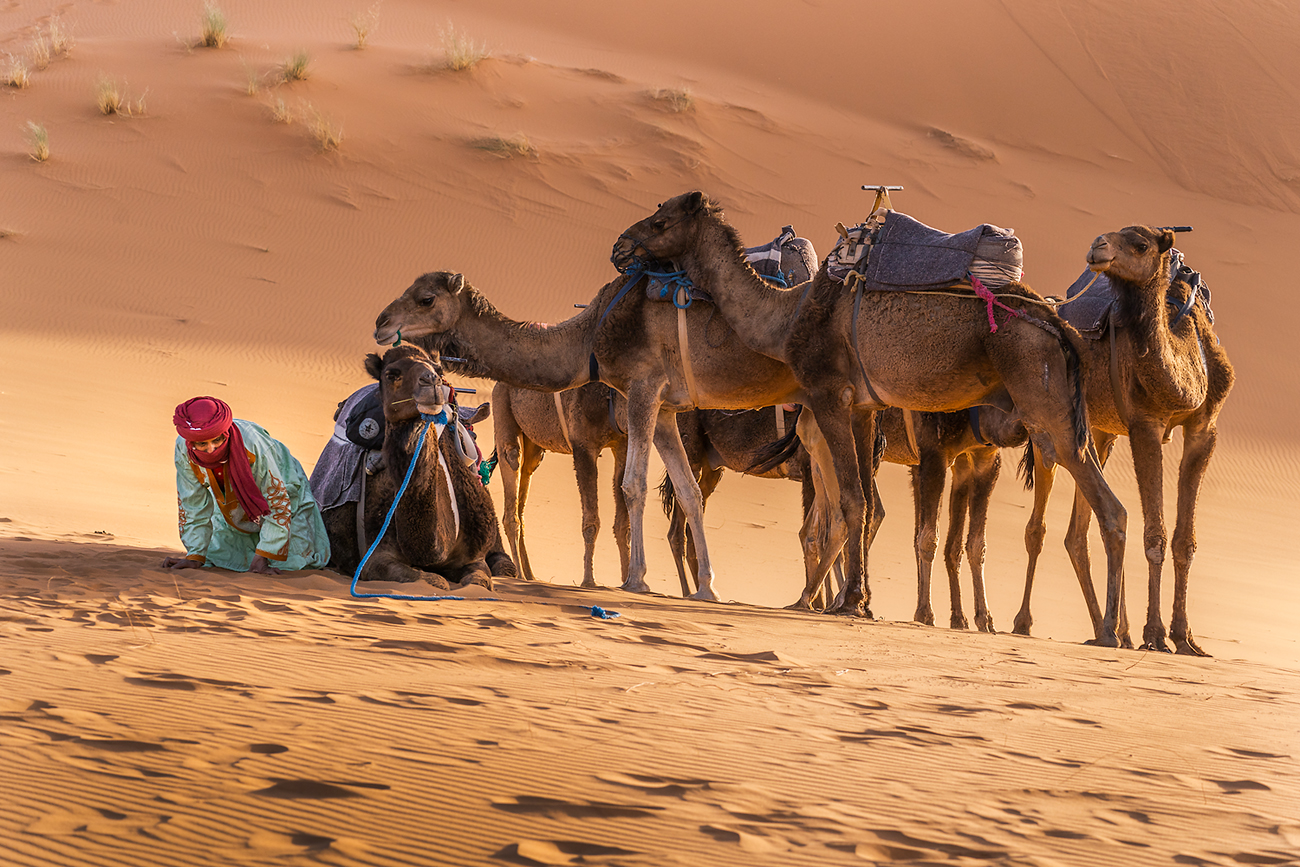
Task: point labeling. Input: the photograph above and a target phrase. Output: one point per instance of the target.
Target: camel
(1164, 370)
(920, 351)
(969, 442)
(632, 343)
(582, 422)
(441, 539)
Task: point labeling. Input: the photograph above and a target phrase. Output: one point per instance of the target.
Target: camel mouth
(1100, 265)
(386, 336)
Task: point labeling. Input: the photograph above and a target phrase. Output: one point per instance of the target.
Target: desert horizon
(236, 223)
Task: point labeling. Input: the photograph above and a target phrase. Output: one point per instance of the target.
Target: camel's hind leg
(928, 479)
(584, 467)
(1076, 545)
(985, 465)
(1198, 447)
(708, 481)
(530, 458)
(642, 417)
(1040, 475)
(959, 497)
(668, 442)
(824, 531)
(621, 524)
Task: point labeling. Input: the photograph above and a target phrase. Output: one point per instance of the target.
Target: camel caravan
(905, 344)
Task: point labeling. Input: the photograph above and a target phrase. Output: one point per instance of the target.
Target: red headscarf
(204, 418)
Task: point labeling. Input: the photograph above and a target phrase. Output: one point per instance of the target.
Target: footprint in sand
(553, 808)
(558, 852)
(314, 789)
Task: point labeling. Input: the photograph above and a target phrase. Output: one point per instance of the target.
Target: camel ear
(694, 202)
(483, 411)
(1165, 241)
(455, 283)
(374, 365)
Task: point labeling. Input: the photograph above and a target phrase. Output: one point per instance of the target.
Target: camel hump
(787, 261)
(902, 253)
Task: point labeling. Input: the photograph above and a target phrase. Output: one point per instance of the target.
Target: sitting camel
(444, 525)
(582, 422)
(1161, 368)
(931, 351)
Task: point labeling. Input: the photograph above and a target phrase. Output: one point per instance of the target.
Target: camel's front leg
(584, 467)
(1198, 446)
(1148, 467)
(927, 490)
(621, 524)
(987, 464)
(1093, 493)
(642, 413)
(958, 508)
(824, 530)
(668, 441)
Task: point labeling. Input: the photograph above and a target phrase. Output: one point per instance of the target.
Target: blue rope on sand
(596, 610)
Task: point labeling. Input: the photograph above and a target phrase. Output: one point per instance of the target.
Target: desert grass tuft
(111, 98)
(516, 145)
(60, 36)
(327, 135)
(296, 67)
(679, 101)
(363, 23)
(460, 51)
(15, 73)
(40, 52)
(214, 25)
(252, 79)
(280, 112)
(39, 140)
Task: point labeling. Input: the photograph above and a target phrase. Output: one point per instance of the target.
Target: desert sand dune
(203, 243)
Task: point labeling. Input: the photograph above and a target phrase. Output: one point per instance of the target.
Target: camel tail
(1079, 413)
(1026, 468)
(774, 454)
(667, 495)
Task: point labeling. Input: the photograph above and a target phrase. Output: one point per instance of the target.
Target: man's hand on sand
(181, 563)
(261, 567)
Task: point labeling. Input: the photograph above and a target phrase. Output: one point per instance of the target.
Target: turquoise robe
(216, 531)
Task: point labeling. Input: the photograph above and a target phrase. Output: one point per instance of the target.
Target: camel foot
(1153, 638)
(1109, 640)
(958, 621)
(635, 587)
(589, 583)
(436, 581)
(1159, 647)
(501, 566)
(924, 616)
(1187, 646)
(850, 609)
(985, 624)
(1022, 625)
(800, 604)
(705, 595)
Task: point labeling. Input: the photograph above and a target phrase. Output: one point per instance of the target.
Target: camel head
(410, 382)
(666, 234)
(1135, 255)
(431, 305)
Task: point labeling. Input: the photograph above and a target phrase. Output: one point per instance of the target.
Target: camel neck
(761, 314)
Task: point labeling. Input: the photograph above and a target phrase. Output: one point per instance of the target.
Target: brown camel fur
(1167, 378)
(931, 352)
(626, 341)
(430, 538)
(527, 424)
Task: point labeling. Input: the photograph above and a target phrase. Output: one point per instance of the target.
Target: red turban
(203, 418)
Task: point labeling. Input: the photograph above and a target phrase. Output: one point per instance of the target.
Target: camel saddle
(899, 253)
(1091, 312)
(786, 261)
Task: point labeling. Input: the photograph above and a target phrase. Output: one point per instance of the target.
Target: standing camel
(582, 422)
(919, 351)
(662, 361)
(1161, 368)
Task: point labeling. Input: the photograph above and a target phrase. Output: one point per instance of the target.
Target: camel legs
(515, 481)
(1076, 545)
(621, 525)
(824, 531)
(584, 467)
(927, 490)
(1198, 446)
(1144, 439)
(1044, 475)
(690, 499)
(680, 539)
(985, 465)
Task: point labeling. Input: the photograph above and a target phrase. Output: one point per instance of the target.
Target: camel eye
(393, 375)
(1140, 247)
(426, 301)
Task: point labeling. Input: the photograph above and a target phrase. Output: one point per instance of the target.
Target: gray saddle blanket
(786, 261)
(1090, 313)
(336, 478)
(906, 254)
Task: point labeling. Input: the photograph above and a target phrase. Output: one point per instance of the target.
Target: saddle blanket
(787, 261)
(901, 253)
(1090, 312)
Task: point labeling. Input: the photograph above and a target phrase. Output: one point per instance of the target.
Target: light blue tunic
(216, 531)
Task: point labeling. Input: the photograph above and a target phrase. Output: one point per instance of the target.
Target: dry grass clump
(296, 67)
(516, 145)
(15, 73)
(460, 51)
(214, 26)
(252, 79)
(111, 98)
(674, 100)
(280, 112)
(60, 37)
(39, 141)
(327, 134)
(363, 23)
(40, 52)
